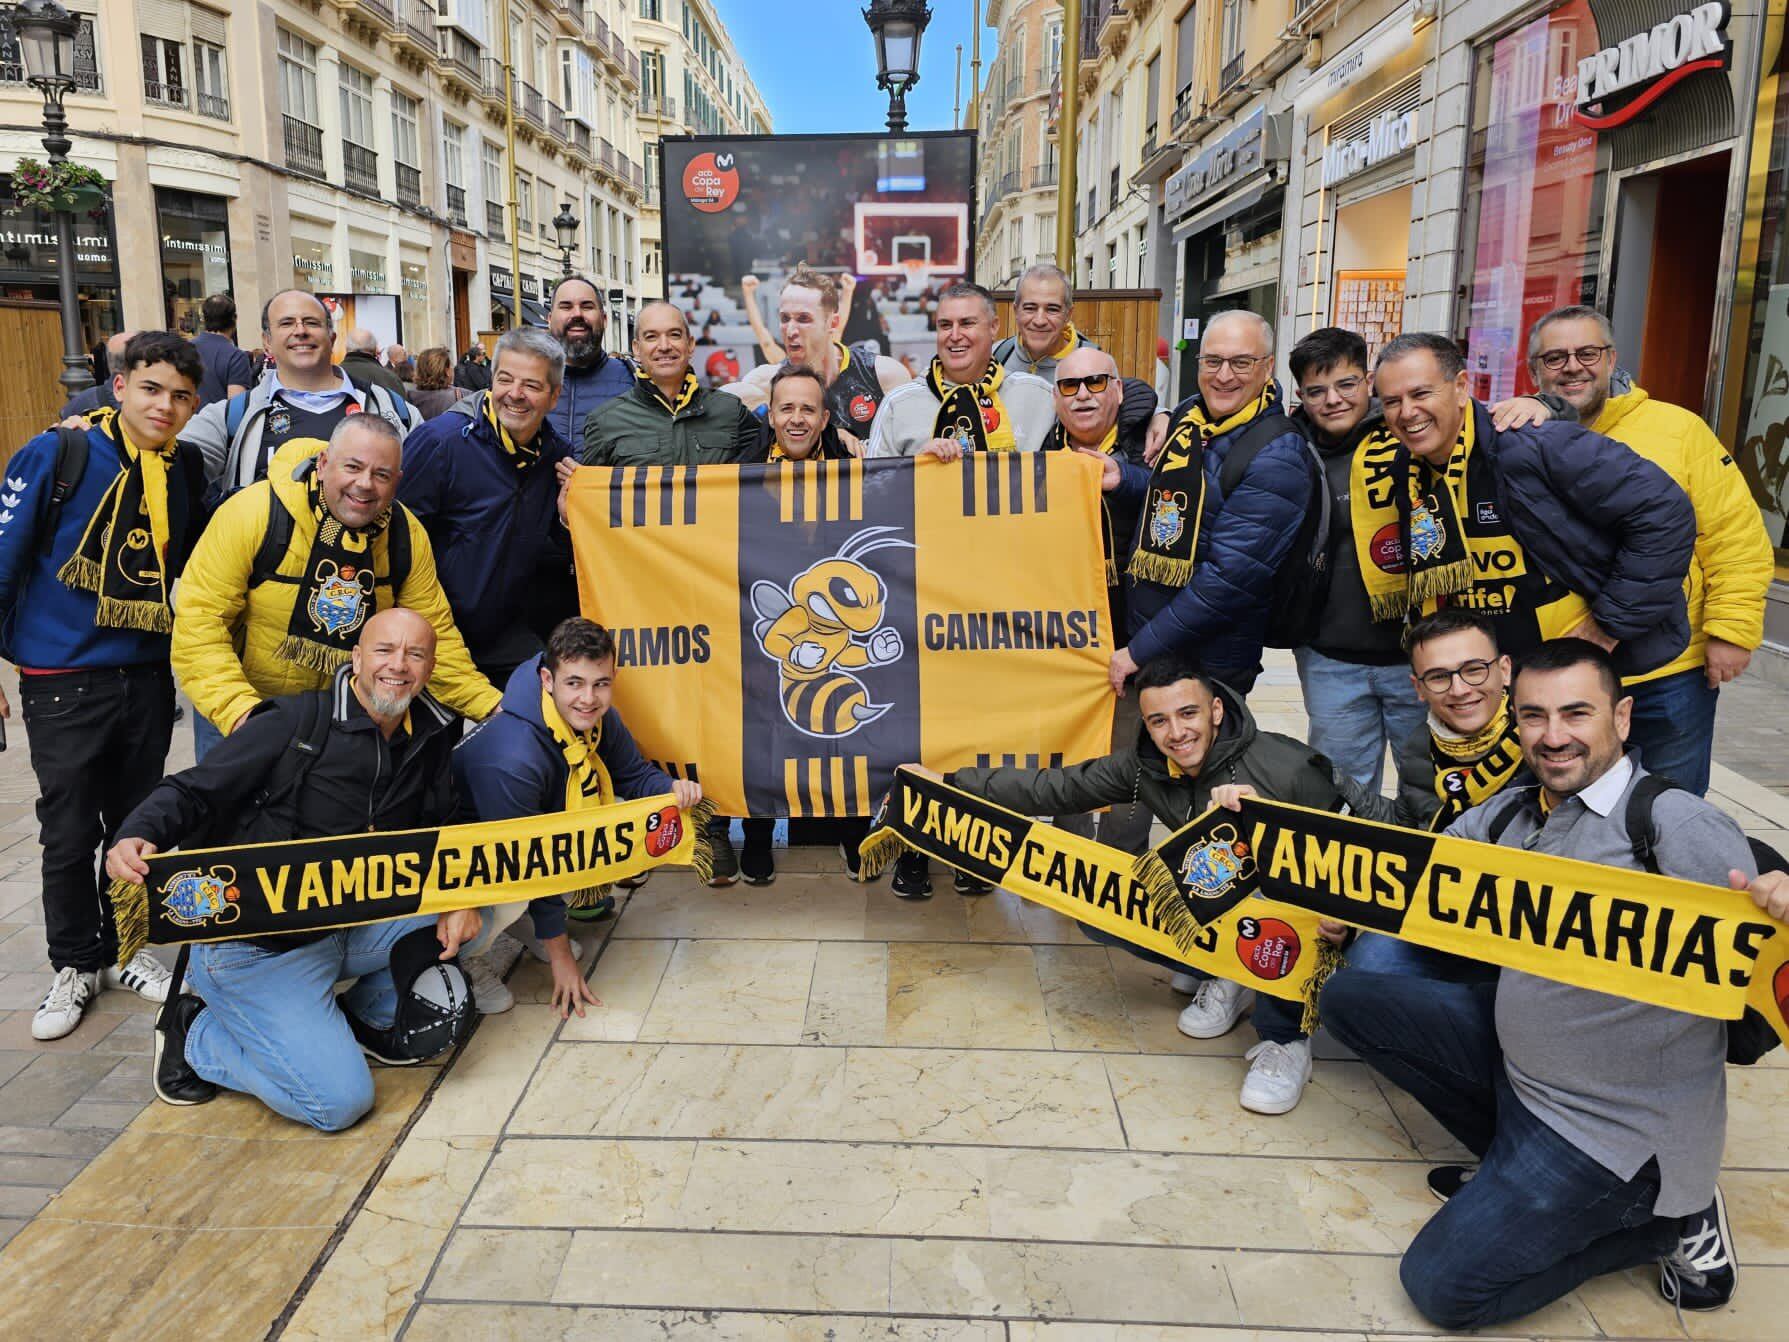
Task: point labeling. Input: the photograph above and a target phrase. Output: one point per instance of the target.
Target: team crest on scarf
(338, 602)
(1427, 535)
(195, 898)
(1167, 517)
(825, 625)
(1215, 866)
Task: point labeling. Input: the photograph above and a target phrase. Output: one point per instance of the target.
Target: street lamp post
(897, 26)
(46, 33)
(565, 224)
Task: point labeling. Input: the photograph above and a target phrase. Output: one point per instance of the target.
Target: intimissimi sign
(1620, 82)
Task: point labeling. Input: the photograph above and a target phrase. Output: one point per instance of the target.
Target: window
(453, 155)
(357, 106)
(592, 213)
(406, 151)
(211, 81)
(653, 9)
(491, 163)
(1052, 51)
(298, 78)
(548, 209)
(163, 79)
(1186, 45)
(12, 65)
(524, 203)
(1231, 46)
(1152, 96)
(652, 74)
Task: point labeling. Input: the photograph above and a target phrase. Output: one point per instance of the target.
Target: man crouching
(371, 752)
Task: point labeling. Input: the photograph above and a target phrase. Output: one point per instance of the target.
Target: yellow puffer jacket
(226, 633)
(1733, 563)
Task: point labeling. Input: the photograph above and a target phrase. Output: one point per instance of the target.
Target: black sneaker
(757, 863)
(634, 882)
(853, 860)
(175, 1080)
(1446, 1180)
(726, 861)
(1702, 1272)
(967, 885)
(603, 907)
(912, 877)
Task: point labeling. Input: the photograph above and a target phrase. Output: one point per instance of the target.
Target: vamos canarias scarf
(1059, 441)
(308, 885)
(1653, 939)
(972, 414)
(1473, 769)
(521, 455)
(1174, 506)
(335, 593)
(122, 555)
(1262, 945)
(685, 394)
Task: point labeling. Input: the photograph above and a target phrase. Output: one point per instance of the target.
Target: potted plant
(56, 186)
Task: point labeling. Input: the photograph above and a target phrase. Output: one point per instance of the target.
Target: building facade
(356, 148)
(1016, 118)
(693, 82)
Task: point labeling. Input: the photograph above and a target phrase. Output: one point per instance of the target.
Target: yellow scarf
(684, 396)
(973, 414)
(521, 455)
(1071, 341)
(119, 559)
(587, 782)
(1470, 770)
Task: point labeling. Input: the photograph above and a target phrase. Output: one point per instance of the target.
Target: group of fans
(1533, 605)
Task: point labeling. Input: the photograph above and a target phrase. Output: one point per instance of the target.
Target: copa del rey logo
(1650, 62)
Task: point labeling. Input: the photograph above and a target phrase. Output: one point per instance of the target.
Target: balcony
(1044, 175)
(494, 219)
(360, 168)
(570, 14)
(581, 142)
(304, 147)
(377, 13)
(214, 105)
(165, 95)
(1183, 110)
(531, 106)
(599, 34)
(605, 155)
(1009, 183)
(416, 27)
(458, 61)
(653, 105)
(633, 72)
(1231, 74)
(456, 206)
(556, 122)
(409, 186)
(490, 81)
(1149, 142)
(652, 197)
(1114, 24)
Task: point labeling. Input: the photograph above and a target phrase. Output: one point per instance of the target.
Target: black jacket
(471, 375)
(365, 370)
(1416, 803)
(242, 791)
(1277, 767)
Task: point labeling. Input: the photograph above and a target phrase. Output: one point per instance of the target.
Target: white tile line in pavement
(1773, 806)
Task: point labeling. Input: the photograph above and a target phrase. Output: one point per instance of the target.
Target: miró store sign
(1647, 65)
(1386, 136)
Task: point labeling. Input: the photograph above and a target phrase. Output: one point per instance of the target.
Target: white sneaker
(1185, 984)
(144, 975)
(1216, 1007)
(523, 931)
(1277, 1076)
(488, 991)
(62, 1006)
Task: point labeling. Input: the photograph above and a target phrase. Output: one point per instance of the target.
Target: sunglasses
(1094, 382)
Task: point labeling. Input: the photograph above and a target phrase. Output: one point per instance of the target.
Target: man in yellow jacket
(292, 567)
(1572, 354)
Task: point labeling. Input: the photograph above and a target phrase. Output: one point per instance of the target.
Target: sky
(814, 62)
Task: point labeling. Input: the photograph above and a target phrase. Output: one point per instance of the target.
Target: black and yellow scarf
(587, 782)
(973, 413)
(684, 396)
(1060, 441)
(521, 455)
(335, 592)
(1429, 505)
(1470, 770)
(123, 553)
(1168, 539)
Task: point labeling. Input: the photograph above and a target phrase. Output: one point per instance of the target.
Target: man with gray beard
(579, 321)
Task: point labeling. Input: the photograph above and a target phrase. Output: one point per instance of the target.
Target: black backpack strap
(274, 541)
(302, 750)
(1247, 445)
(71, 465)
(1642, 831)
(1500, 822)
(398, 549)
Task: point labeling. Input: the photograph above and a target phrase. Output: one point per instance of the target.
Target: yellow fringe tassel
(1329, 959)
(309, 655)
(702, 859)
(80, 572)
(1167, 908)
(1160, 569)
(130, 913)
(152, 616)
(1390, 605)
(1426, 584)
(878, 852)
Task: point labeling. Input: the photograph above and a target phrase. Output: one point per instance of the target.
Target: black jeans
(99, 740)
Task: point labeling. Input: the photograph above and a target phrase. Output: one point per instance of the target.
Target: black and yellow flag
(788, 634)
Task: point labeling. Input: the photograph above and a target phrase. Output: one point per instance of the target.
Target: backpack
(1301, 583)
(277, 538)
(391, 407)
(1750, 1037)
(71, 465)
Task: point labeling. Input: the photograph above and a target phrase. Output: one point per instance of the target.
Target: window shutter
(207, 25)
(163, 18)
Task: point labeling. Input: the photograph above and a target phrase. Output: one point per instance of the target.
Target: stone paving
(810, 1111)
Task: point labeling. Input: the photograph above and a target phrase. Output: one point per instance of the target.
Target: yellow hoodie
(1733, 563)
(226, 633)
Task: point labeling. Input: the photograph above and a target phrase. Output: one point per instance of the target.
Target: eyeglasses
(1094, 382)
(1588, 356)
(1241, 364)
(1441, 679)
(1343, 387)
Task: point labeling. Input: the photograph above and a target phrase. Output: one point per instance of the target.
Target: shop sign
(1647, 65)
(501, 279)
(1239, 155)
(1386, 136)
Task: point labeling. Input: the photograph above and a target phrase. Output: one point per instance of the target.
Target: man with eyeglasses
(1571, 352)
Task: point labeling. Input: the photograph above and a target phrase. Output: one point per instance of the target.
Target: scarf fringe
(589, 897)
(130, 913)
(1167, 910)
(702, 858)
(80, 572)
(311, 656)
(1329, 959)
(1444, 580)
(1147, 567)
(151, 616)
(878, 852)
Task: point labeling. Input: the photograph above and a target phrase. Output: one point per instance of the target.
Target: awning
(533, 314)
(1235, 201)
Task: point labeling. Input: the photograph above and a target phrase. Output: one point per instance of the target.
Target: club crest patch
(1214, 867)
(197, 898)
(1427, 535)
(340, 597)
(279, 421)
(1167, 518)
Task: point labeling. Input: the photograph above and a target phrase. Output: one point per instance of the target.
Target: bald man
(265, 1020)
(99, 395)
(361, 363)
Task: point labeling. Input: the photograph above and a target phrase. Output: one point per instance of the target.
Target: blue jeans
(1376, 953)
(1356, 710)
(272, 1026)
(205, 736)
(1540, 1217)
(1673, 727)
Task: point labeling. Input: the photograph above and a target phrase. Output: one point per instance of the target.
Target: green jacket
(1277, 767)
(633, 429)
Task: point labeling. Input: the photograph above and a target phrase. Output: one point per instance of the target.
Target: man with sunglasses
(1571, 352)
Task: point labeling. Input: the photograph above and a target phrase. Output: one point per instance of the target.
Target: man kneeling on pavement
(370, 751)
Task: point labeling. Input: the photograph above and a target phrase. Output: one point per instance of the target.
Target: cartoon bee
(825, 626)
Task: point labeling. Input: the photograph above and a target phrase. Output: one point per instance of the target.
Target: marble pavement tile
(1433, 1142)
(377, 1270)
(1758, 1209)
(49, 1084)
(1754, 1114)
(234, 1117)
(1629, 1305)
(733, 992)
(499, 1265)
(591, 1181)
(849, 1000)
(489, 1074)
(888, 917)
(36, 1264)
(1082, 1001)
(964, 996)
(1153, 1007)
(795, 908)
(719, 1271)
(1024, 1331)
(627, 976)
(1190, 1104)
(1061, 1281)
(554, 1323)
(256, 1271)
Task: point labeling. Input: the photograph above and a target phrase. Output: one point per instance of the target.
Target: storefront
(28, 262)
(413, 302)
(1600, 167)
(502, 299)
(195, 254)
(1223, 210)
(313, 262)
